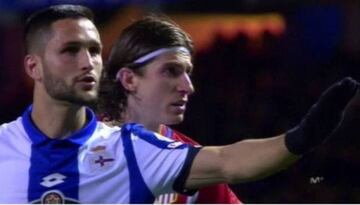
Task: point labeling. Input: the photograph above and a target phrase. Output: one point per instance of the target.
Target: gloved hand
(322, 118)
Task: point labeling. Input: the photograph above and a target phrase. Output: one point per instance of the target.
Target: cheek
(98, 69)
(98, 63)
(164, 88)
(156, 93)
(60, 66)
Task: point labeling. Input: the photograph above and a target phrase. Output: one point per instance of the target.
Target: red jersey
(220, 194)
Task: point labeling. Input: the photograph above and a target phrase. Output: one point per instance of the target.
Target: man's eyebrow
(188, 67)
(77, 43)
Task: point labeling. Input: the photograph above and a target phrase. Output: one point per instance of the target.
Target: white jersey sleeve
(163, 163)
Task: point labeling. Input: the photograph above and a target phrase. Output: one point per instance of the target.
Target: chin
(87, 100)
(175, 120)
(88, 95)
(77, 98)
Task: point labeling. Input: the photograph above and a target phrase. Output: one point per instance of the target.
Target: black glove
(323, 117)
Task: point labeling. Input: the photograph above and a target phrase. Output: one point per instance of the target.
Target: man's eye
(189, 72)
(94, 51)
(71, 50)
(172, 71)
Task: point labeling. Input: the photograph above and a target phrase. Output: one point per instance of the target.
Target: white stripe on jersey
(14, 163)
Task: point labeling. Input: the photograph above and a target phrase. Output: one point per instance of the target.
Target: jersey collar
(78, 137)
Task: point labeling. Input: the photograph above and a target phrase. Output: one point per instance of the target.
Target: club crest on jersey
(99, 159)
(98, 148)
(54, 197)
(102, 161)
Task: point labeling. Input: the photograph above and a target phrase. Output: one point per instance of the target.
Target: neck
(58, 120)
(130, 116)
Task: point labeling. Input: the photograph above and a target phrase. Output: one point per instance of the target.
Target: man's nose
(86, 60)
(186, 85)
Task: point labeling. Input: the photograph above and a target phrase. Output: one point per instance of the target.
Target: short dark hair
(140, 38)
(40, 22)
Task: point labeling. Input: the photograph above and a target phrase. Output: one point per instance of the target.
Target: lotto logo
(52, 180)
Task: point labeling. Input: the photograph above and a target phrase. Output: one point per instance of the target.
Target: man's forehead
(70, 30)
(175, 57)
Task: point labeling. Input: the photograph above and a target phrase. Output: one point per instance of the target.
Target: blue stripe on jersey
(54, 165)
(139, 191)
(150, 137)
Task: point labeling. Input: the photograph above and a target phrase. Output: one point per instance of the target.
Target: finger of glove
(338, 95)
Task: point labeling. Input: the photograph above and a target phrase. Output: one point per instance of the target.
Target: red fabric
(214, 194)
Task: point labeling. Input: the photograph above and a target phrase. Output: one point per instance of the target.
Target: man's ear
(32, 66)
(128, 79)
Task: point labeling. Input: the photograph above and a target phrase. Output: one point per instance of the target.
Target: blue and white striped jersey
(97, 164)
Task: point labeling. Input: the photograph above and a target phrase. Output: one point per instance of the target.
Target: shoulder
(104, 132)
(136, 132)
(13, 138)
(12, 128)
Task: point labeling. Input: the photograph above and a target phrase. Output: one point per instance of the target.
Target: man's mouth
(87, 82)
(180, 105)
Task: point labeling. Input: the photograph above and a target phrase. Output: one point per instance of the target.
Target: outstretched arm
(243, 161)
(254, 159)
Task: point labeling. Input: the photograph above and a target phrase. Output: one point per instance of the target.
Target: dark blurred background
(259, 66)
